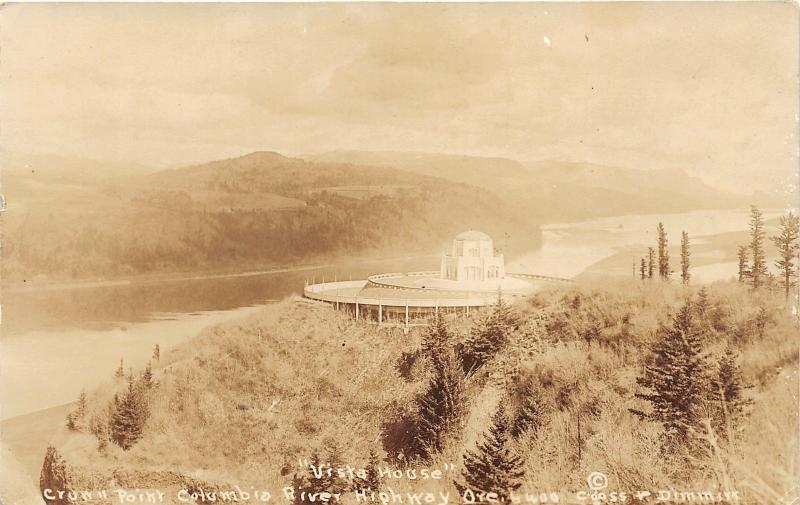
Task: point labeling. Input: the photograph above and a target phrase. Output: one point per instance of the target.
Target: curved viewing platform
(471, 274)
(410, 298)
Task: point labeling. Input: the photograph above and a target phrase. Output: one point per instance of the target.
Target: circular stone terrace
(410, 298)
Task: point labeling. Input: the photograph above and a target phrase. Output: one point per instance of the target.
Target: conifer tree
(72, 421)
(674, 384)
(55, 476)
(643, 269)
(157, 353)
(333, 482)
(120, 373)
(113, 405)
(300, 483)
(663, 253)
(530, 415)
(147, 377)
(786, 242)
(744, 267)
(442, 407)
(651, 260)
(494, 467)
(82, 404)
(99, 428)
(74, 417)
(758, 272)
(311, 483)
(372, 481)
(685, 262)
(727, 394)
(437, 337)
(127, 421)
(489, 336)
(702, 304)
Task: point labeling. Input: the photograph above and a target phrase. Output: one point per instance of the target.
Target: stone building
(473, 258)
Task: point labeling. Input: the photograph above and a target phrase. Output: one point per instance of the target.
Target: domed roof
(472, 235)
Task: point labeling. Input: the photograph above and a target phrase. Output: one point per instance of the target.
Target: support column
(356, 310)
(406, 313)
(380, 313)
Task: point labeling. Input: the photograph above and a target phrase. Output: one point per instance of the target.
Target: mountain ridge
(556, 189)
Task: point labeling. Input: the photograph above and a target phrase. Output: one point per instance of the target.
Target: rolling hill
(258, 210)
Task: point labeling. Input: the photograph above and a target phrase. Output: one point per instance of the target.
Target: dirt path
(23, 441)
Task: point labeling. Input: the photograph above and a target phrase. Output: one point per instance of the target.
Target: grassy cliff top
(246, 400)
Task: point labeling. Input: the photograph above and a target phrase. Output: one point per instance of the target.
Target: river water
(58, 341)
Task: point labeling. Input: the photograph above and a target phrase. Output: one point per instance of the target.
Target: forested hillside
(658, 386)
(258, 210)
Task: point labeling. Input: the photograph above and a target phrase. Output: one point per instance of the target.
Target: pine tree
(489, 336)
(120, 373)
(643, 269)
(726, 393)
(75, 417)
(787, 245)
(493, 467)
(82, 405)
(114, 404)
(702, 303)
(72, 421)
(372, 481)
(147, 377)
(685, 253)
(157, 353)
(744, 267)
(651, 253)
(334, 483)
(437, 337)
(758, 272)
(55, 476)
(663, 253)
(312, 483)
(299, 483)
(441, 408)
(129, 417)
(99, 428)
(675, 382)
(530, 414)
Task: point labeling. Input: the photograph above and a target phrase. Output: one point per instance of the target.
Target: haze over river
(59, 340)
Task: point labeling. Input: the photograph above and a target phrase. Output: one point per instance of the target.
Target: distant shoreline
(373, 256)
(53, 285)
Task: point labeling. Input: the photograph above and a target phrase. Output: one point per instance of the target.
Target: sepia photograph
(400, 253)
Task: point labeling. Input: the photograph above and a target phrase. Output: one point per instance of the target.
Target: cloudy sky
(707, 87)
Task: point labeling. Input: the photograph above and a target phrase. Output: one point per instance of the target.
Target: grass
(244, 402)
